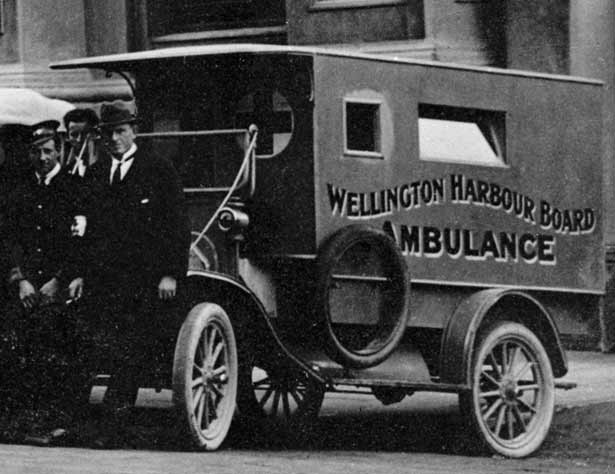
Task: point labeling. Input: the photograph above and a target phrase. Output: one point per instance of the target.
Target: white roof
(22, 106)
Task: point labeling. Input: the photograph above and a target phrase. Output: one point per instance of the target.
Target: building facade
(575, 37)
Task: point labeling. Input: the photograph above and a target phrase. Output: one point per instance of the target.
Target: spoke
(264, 381)
(519, 416)
(504, 358)
(217, 390)
(276, 403)
(495, 365)
(511, 427)
(511, 360)
(296, 397)
(523, 370)
(199, 411)
(492, 393)
(196, 382)
(500, 421)
(266, 397)
(203, 349)
(211, 342)
(286, 405)
(489, 377)
(220, 370)
(196, 398)
(197, 367)
(206, 399)
(217, 352)
(492, 409)
(527, 405)
(199, 357)
(523, 388)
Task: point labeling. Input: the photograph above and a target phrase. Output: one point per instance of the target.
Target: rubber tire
(200, 318)
(469, 401)
(388, 338)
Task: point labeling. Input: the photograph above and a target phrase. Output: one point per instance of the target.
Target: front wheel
(511, 402)
(205, 375)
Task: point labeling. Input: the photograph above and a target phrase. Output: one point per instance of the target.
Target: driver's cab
(214, 117)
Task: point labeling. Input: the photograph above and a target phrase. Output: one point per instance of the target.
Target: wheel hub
(508, 391)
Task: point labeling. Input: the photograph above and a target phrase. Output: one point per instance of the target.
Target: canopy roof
(135, 60)
(28, 107)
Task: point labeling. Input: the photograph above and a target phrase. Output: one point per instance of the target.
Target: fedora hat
(43, 131)
(112, 115)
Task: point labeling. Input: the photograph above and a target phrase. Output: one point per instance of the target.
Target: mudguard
(220, 286)
(459, 337)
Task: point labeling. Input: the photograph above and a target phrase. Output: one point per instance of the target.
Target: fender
(459, 337)
(204, 280)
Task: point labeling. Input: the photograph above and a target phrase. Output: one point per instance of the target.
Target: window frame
(320, 5)
(378, 129)
(494, 136)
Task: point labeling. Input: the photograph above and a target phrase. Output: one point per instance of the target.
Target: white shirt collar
(127, 155)
(124, 163)
(49, 176)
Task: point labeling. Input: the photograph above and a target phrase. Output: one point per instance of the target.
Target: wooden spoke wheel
(511, 403)
(286, 397)
(205, 375)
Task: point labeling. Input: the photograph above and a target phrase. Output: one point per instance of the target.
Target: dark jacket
(138, 228)
(37, 231)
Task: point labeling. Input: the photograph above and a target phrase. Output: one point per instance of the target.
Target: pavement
(594, 376)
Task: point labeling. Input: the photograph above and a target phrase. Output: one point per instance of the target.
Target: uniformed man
(37, 237)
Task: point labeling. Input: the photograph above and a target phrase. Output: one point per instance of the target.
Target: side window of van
(362, 128)
(462, 135)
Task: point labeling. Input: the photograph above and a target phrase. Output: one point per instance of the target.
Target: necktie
(116, 177)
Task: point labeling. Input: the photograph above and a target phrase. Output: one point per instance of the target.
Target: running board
(412, 387)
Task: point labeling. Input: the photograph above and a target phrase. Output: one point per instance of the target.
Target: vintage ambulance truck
(373, 222)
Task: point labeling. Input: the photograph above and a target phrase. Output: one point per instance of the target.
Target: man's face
(119, 139)
(76, 134)
(44, 157)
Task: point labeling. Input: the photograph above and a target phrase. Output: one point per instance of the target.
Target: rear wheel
(511, 402)
(205, 376)
(283, 396)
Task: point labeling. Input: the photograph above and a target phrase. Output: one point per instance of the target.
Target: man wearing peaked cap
(37, 237)
(139, 256)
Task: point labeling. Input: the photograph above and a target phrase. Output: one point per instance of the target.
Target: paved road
(355, 435)
(22, 459)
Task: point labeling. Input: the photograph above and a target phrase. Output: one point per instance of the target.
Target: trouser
(42, 354)
(133, 333)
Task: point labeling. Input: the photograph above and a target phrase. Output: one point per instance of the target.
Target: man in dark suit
(139, 255)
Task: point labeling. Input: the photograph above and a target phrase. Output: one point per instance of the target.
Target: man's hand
(49, 290)
(27, 294)
(167, 288)
(75, 289)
